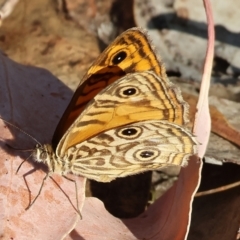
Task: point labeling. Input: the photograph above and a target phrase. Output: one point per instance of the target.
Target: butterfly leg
(76, 190)
(39, 192)
(20, 165)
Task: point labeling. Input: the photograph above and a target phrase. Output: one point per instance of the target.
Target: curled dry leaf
(157, 222)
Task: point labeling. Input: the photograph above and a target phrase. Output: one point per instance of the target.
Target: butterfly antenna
(19, 129)
(18, 149)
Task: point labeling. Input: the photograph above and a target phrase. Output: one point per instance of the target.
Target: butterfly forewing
(129, 53)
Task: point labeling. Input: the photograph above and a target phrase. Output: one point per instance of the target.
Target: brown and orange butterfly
(125, 117)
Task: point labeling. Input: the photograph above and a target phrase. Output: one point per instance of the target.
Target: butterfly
(124, 118)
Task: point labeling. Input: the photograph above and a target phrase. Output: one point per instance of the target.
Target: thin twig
(219, 189)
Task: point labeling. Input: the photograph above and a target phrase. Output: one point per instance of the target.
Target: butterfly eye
(147, 155)
(43, 155)
(129, 133)
(119, 57)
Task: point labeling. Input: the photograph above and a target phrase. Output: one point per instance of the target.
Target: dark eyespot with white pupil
(119, 57)
(129, 91)
(147, 154)
(129, 133)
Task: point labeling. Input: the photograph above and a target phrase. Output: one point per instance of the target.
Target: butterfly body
(125, 117)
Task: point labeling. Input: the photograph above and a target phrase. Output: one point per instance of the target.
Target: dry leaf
(220, 125)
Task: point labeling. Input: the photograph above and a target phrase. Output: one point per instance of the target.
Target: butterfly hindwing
(134, 148)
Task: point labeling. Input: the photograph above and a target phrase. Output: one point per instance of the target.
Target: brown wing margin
(83, 95)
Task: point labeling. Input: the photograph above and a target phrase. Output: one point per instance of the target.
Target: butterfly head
(44, 153)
